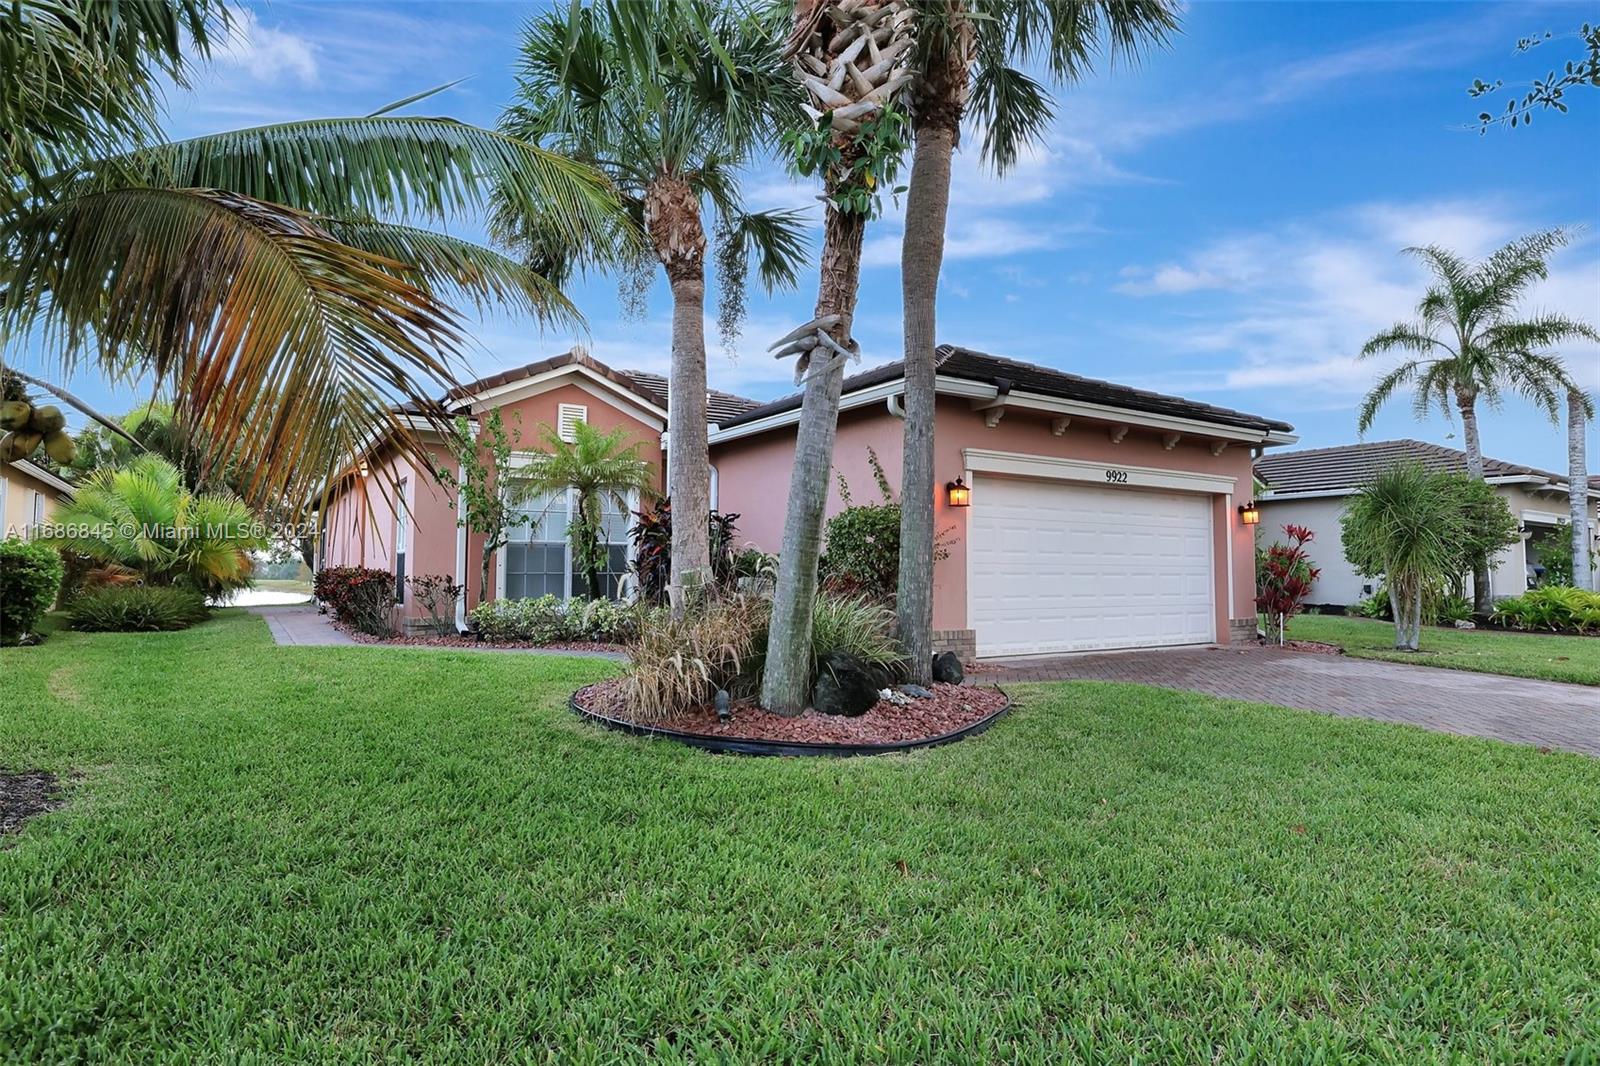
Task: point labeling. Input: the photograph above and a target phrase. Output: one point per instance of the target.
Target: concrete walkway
(1542, 713)
(302, 626)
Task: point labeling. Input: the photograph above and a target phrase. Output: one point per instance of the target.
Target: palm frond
(1403, 337)
(1013, 110)
(271, 331)
(1385, 388)
(388, 166)
(449, 268)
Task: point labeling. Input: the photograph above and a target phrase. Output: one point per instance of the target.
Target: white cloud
(266, 53)
(1291, 307)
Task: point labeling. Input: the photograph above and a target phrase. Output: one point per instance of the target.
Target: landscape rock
(917, 692)
(845, 686)
(947, 669)
(1462, 623)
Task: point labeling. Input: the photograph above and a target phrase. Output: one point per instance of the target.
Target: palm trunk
(689, 480)
(1482, 601)
(786, 681)
(1578, 490)
(672, 219)
(921, 256)
(1396, 597)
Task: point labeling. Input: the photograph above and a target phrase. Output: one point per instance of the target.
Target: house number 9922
(1117, 477)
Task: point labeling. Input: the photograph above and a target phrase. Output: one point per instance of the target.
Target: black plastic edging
(743, 746)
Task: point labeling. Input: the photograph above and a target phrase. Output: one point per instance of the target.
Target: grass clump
(136, 609)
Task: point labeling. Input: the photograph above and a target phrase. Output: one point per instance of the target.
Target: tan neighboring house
(29, 495)
(1310, 488)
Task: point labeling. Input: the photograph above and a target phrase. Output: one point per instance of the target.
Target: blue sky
(1223, 221)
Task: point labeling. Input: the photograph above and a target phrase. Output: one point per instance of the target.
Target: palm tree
(271, 275)
(141, 520)
(1405, 527)
(850, 58)
(1578, 406)
(963, 57)
(628, 88)
(601, 468)
(1468, 344)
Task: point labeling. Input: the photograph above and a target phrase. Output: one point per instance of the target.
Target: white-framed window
(537, 558)
(38, 511)
(402, 536)
(567, 416)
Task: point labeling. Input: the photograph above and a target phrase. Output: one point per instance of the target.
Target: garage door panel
(1073, 567)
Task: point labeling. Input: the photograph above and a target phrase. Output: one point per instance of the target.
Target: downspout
(896, 405)
(461, 549)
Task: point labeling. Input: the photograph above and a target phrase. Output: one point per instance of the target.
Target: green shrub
(30, 577)
(1551, 607)
(863, 542)
(136, 608)
(855, 627)
(537, 621)
(547, 620)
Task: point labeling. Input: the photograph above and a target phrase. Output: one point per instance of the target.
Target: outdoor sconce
(960, 495)
(363, 469)
(1249, 513)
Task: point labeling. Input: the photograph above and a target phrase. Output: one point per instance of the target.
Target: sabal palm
(270, 274)
(140, 518)
(600, 467)
(630, 88)
(1470, 343)
(968, 58)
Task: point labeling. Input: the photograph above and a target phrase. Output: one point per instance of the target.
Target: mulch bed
(25, 794)
(432, 640)
(951, 707)
(1315, 647)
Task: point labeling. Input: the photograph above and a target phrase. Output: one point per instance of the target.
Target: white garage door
(1062, 566)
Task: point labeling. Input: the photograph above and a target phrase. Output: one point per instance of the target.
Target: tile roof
(652, 388)
(972, 365)
(1349, 466)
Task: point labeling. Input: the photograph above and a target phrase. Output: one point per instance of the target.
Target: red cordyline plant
(1285, 578)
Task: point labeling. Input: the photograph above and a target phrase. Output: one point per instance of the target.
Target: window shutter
(569, 415)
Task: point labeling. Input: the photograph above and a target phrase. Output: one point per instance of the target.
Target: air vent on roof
(569, 415)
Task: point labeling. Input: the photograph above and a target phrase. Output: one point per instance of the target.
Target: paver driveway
(1543, 713)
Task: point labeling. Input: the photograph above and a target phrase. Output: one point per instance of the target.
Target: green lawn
(1540, 655)
(359, 853)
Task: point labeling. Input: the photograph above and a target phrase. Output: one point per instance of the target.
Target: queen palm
(272, 275)
(629, 88)
(963, 60)
(1470, 343)
(600, 468)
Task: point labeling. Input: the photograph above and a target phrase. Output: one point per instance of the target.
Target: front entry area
(1060, 566)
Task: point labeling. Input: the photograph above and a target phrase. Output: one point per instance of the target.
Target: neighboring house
(388, 514)
(1100, 516)
(1310, 488)
(29, 495)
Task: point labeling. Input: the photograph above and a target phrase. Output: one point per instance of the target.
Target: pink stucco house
(1099, 516)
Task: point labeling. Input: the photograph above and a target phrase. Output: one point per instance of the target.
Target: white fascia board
(1032, 401)
(1284, 497)
(609, 391)
(39, 473)
(1052, 468)
(1544, 517)
(981, 391)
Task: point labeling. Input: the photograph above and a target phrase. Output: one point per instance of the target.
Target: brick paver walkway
(1542, 713)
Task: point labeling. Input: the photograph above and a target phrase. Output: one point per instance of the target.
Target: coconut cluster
(29, 427)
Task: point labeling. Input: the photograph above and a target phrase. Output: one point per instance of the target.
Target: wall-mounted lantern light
(363, 469)
(1249, 513)
(960, 495)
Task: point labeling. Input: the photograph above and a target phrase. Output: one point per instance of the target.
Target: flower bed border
(751, 746)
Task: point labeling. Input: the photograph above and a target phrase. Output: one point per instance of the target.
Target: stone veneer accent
(964, 642)
(1241, 629)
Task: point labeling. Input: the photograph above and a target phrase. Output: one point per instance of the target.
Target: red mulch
(952, 707)
(433, 640)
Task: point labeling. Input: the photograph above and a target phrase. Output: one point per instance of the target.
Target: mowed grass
(1546, 656)
(347, 854)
